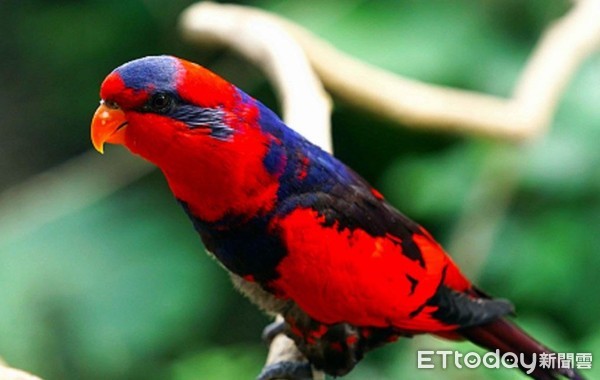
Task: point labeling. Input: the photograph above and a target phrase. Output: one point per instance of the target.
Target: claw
(287, 371)
(272, 330)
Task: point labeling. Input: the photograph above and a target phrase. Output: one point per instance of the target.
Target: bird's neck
(231, 181)
(212, 197)
(215, 178)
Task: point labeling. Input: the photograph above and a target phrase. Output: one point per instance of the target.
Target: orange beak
(108, 126)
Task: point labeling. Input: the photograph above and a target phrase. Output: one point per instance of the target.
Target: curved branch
(559, 53)
(527, 114)
(273, 50)
(7, 373)
(65, 189)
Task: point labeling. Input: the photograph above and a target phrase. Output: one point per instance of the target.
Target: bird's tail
(506, 337)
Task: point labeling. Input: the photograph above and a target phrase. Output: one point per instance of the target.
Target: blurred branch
(275, 51)
(66, 189)
(283, 349)
(561, 50)
(7, 373)
(559, 53)
(486, 207)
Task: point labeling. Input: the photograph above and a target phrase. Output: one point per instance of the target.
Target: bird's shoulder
(341, 199)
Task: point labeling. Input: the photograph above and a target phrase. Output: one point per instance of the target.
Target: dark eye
(161, 102)
(110, 104)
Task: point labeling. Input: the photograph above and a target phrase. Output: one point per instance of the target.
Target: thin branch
(65, 189)
(559, 53)
(7, 373)
(485, 208)
(527, 114)
(273, 50)
(283, 349)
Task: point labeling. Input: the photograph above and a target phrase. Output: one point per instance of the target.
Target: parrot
(301, 234)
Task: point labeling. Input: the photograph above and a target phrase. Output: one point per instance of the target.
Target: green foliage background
(122, 289)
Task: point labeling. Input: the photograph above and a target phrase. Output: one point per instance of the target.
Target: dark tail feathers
(504, 336)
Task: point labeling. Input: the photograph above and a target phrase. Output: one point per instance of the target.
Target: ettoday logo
(494, 359)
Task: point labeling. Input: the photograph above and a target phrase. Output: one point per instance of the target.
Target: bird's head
(157, 98)
(198, 128)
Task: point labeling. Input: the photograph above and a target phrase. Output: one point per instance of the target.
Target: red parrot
(302, 234)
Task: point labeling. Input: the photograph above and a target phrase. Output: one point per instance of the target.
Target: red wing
(343, 275)
(341, 267)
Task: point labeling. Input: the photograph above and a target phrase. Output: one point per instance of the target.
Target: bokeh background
(102, 276)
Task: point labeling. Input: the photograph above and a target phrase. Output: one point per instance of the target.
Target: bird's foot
(272, 330)
(287, 371)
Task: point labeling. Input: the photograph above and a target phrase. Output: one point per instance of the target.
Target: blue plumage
(150, 72)
(307, 167)
(199, 117)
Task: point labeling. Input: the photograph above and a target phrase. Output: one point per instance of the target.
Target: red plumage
(367, 277)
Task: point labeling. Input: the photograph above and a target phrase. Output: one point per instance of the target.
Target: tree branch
(7, 373)
(561, 50)
(65, 189)
(273, 50)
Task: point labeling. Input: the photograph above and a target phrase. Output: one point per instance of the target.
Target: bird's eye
(110, 104)
(161, 102)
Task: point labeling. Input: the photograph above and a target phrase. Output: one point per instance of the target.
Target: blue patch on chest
(246, 248)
